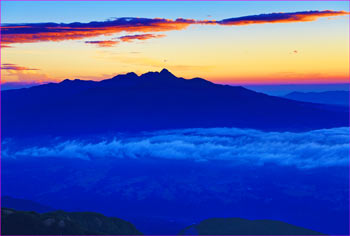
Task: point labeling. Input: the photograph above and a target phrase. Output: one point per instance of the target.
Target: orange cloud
(5, 46)
(9, 66)
(127, 38)
(130, 38)
(282, 17)
(29, 33)
(25, 76)
(105, 43)
(12, 73)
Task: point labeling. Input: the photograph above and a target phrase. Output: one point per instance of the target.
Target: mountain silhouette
(15, 222)
(327, 97)
(23, 204)
(238, 226)
(153, 101)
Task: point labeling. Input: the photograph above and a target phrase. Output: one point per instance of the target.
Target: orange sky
(308, 50)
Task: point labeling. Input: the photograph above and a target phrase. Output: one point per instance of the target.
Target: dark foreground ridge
(62, 223)
(24, 204)
(153, 101)
(238, 226)
(88, 223)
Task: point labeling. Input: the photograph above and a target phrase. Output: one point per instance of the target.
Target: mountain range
(153, 101)
(16, 222)
(24, 204)
(328, 97)
(238, 226)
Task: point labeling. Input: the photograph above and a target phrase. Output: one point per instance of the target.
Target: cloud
(9, 66)
(105, 43)
(282, 17)
(15, 74)
(28, 33)
(37, 32)
(318, 148)
(5, 46)
(129, 38)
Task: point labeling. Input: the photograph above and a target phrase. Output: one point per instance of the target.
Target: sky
(224, 42)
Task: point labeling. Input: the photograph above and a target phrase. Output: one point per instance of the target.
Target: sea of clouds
(318, 148)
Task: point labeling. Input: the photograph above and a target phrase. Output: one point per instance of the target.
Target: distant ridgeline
(24, 205)
(329, 97)
(153, 101)
(15, 222)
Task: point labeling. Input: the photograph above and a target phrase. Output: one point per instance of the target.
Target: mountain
(238, 226)
(23, 204)
(153, 101)
(89, 223)
(15, 222)
(16, 85)
(328, 97)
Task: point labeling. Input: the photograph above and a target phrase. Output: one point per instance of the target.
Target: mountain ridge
(239, 226)
(24, 204)
(338, 97)
(16, 222)
(153, 101)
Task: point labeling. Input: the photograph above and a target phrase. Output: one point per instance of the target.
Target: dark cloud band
(28, 33)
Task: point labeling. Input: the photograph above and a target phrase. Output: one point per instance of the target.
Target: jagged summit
(163, 74)
(130, 75)
(154, 101)
(164, 70)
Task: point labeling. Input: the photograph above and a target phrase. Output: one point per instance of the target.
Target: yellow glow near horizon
(311, 52)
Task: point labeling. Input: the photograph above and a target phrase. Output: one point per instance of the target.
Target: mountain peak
(133, 74)
(130, 75)
(164, 72)
(65, 81)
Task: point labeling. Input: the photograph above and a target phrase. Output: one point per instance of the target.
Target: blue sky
(310, 52)
(57, 11)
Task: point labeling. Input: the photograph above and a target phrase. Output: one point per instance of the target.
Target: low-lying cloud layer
(319, 148)
(37, 32)
(9, 66)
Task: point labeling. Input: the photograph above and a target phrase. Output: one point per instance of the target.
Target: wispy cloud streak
(103, 43)
(30, 32)
(27, 33)
(130, 38)
(303, 16)
(126, 38)
(9, 66)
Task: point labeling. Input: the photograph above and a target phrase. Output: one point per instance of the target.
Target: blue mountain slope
(328, 97)
(23, 204)
(155, 100)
